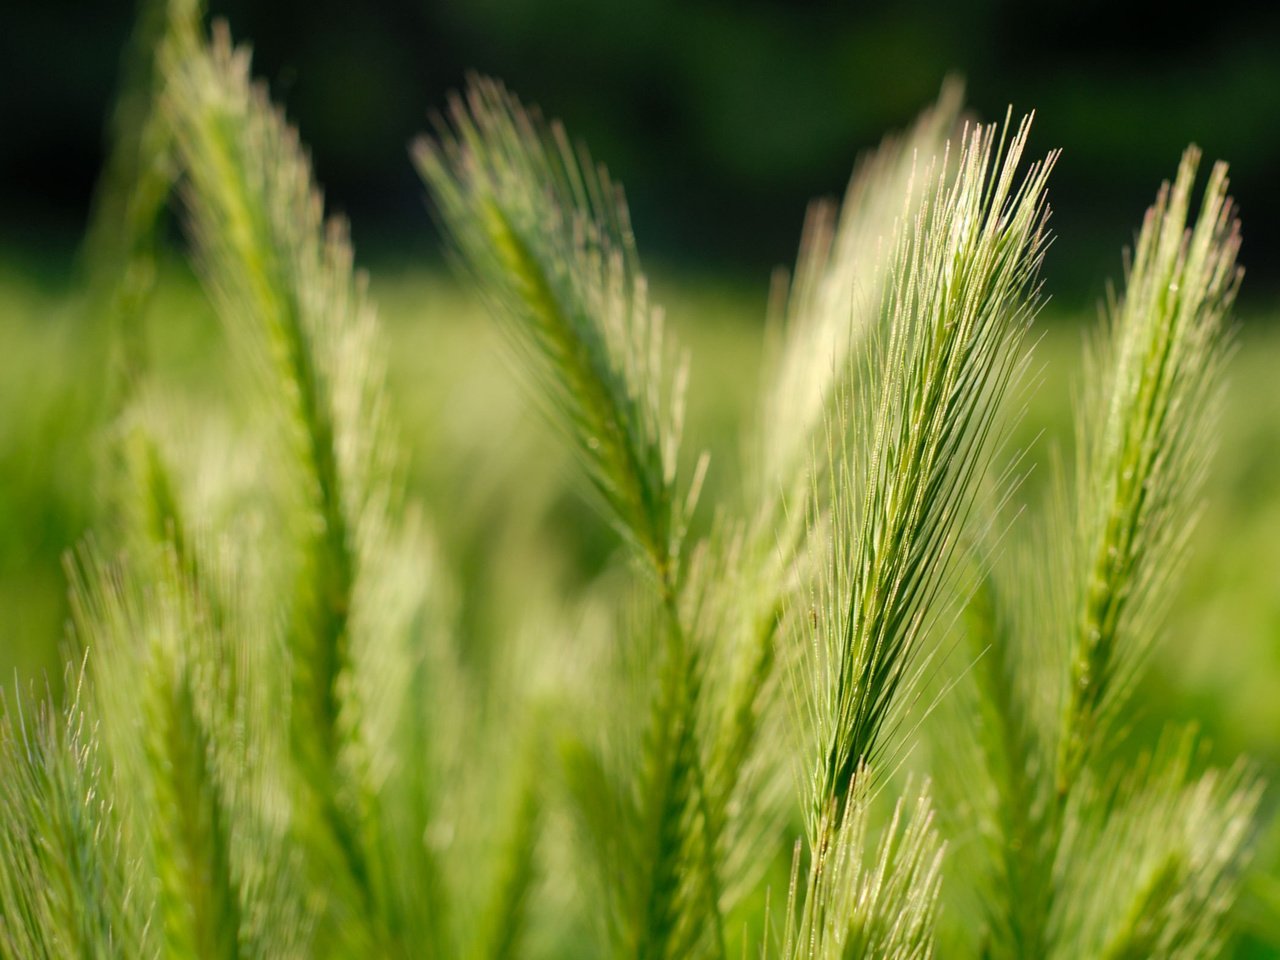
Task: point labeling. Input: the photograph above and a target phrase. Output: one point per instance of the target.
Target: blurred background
(723, 120)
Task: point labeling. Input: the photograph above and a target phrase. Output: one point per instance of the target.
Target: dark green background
(721, 118)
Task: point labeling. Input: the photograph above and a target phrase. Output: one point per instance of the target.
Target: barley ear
(832, 303)
(906, 449)
(1152, 384)
(284, 282)
(1145, 440)
(548, 235)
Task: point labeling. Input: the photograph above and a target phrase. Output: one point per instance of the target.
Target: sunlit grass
(375, 648)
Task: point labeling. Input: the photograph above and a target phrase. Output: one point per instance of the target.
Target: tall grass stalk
(907, 448)
(1143, 442)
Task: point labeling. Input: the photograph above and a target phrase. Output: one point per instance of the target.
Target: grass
(742, 644)
(474, 443)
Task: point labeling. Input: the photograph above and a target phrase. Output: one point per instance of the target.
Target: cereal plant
(855, 704)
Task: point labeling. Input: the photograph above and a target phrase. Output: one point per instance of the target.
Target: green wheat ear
(1145, 444)
(285, 288)
(1065, 825)
(908, 440)
(832, 302)
(372, 674)
(1146, 440)
(908, 444)
(548, 236)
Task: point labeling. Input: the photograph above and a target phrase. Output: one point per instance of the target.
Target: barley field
(502, 494)
(544, 606)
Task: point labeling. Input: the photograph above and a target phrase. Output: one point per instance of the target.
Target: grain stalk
(1143, 446)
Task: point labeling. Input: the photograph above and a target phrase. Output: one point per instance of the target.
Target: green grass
(473, 442)
(707, 632)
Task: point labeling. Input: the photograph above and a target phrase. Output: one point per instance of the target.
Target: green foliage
(871, 903)
(1146, 442)
(68, 886)
(1054, 716)
(908, 444)
(293, 736)
(551, 239)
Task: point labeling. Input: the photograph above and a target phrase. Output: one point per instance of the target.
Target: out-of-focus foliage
(445, 360)
(473, 441)
(354, 667)
(759, 105)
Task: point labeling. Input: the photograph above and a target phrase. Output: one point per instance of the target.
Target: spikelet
(1145, 438)
(548, 235)
(905, 452)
